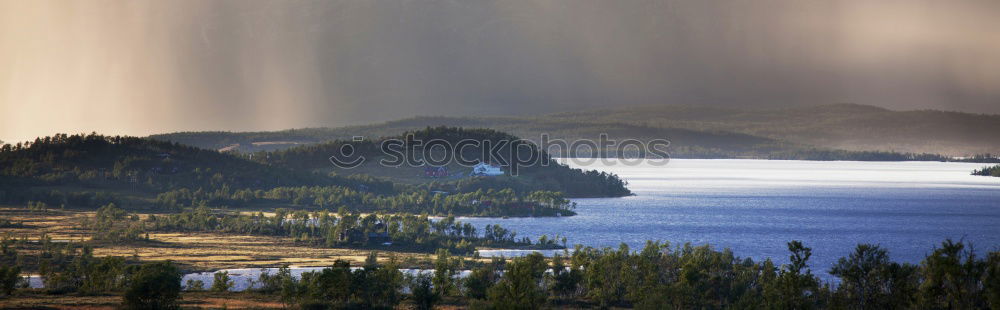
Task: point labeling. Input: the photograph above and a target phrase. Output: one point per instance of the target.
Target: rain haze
(143, 67)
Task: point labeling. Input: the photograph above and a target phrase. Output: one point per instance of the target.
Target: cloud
(147, 66)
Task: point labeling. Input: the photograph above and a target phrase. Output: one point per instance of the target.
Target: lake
(756, 206)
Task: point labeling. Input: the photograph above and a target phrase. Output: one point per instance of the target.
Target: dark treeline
(660, 277)
(799, 152)
(60, 198)
(952, 276)
(347, 229)
(478, 202)
(823, 154)
(787, 152)
(981, 158)
(992, 171)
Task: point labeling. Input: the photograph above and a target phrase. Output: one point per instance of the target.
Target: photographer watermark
(509, 155)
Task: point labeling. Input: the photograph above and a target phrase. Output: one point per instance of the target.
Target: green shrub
(154, 286)
(445, 269)
(10, 277)
(422, 291)
(221, 282)
(481, 279)
(195, 285)
(520, 286)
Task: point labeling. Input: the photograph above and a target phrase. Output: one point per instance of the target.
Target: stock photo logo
(497, 156)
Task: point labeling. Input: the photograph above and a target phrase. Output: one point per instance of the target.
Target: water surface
(756, 206)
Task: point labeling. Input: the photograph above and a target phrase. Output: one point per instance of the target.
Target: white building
(484, 169)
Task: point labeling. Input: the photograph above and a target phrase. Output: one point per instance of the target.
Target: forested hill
(92, 170)
(142, 164)
(842, 131)
(542, 173)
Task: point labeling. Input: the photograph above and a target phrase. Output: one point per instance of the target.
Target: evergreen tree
(952, 278)
(795, 287)
(869, 280)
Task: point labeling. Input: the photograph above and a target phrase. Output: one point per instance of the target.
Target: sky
(150, 66)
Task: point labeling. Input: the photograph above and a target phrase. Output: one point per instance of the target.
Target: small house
(485, 169)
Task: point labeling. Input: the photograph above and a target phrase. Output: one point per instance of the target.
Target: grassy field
(193, 251)
(204, 300)
(27, 299)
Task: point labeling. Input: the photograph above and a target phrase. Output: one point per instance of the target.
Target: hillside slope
(683, 142)
(527, 128)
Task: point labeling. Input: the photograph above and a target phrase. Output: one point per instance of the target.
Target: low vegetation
(353, 230)
(952, 276)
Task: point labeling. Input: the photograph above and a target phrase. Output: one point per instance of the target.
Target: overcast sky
(149, 66)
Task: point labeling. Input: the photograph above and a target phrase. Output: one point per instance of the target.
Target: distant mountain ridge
(701, 132)
(840, 126)
(527, 128)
